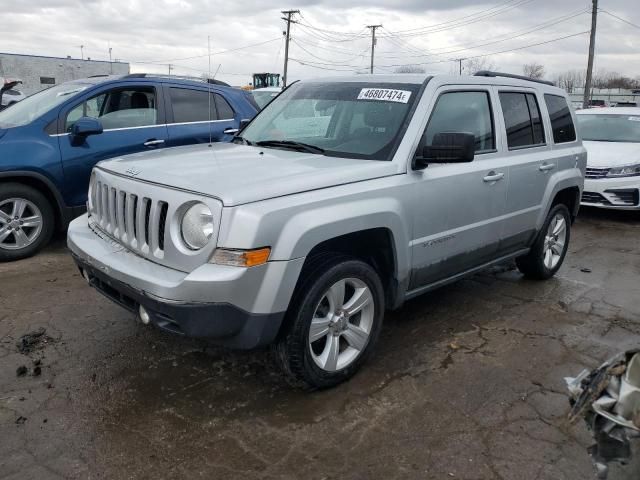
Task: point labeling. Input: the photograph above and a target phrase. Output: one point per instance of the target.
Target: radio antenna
(209, 84)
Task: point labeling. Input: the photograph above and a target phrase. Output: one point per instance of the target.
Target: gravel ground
(467, 381)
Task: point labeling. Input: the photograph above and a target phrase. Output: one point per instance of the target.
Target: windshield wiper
(303, 147)
(242, 139)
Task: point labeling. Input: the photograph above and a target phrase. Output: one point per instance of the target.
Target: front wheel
(333, 322)
(26, 221)
(547, 254)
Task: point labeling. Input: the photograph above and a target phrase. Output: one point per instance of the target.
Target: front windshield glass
(345, 119)
(32, 107)
(610, 128)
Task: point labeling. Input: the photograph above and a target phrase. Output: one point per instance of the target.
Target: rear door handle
(493, 177)
(153, 143)
(545, 167)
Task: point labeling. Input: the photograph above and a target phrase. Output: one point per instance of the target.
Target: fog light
(144, 315)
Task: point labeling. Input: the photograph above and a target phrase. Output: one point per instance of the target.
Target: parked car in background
(594, 103)
(263, 96)
(50, 141)
(612, 139)
(8, 94)
(342, 198)
(625, 104)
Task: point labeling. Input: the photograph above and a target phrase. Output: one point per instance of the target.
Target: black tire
(532, 265)
(19, 191)
(293, 351)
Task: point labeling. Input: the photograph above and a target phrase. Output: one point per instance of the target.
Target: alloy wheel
(341, 324)
(20, 223)
(554, 241)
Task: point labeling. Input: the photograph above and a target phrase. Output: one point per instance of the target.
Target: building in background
(39, 72)
(607, 96)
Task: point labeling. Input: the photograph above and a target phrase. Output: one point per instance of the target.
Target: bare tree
(410, 69)
(474, 65)
(570, 80)
(533, 70)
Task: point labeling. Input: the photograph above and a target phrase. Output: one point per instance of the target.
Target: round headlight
(197, 226)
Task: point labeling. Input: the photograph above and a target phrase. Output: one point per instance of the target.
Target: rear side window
(191, 105)
(225, 112)
(468, 112)
(561, 121)
(522, 119)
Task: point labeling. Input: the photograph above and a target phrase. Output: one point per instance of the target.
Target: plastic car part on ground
(609, 400)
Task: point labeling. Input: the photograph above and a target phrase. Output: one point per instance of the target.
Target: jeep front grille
(137, 222)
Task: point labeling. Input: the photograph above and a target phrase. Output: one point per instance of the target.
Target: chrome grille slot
(596, 172)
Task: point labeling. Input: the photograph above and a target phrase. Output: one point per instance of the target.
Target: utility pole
(110, 62)
(460, 62)
(289, 18)
(170, 67)
(592, 48)
(81, 51)
(373, 42)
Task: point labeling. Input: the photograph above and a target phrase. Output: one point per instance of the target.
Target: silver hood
(238, 174)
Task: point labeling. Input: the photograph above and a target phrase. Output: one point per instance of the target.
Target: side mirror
(83, 127)
(447, 147)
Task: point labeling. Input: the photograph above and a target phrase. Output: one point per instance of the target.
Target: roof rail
(213, 81)
(488, 73)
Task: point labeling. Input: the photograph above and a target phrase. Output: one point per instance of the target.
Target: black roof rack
(488, 73)
(212, 81)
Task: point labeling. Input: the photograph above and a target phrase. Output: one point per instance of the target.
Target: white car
(612, 139)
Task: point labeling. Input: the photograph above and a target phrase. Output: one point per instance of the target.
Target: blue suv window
(120, 108)
(192, 105)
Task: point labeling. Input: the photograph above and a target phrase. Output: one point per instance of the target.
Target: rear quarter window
(561, 122)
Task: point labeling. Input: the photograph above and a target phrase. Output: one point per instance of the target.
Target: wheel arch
(43, 185)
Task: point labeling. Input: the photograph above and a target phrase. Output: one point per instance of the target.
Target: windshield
(262, 98)
(32, 107)
(610, 128)
(345, 119)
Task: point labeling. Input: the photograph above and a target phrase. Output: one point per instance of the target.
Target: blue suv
(50, 141)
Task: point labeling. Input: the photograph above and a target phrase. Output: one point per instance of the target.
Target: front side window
(561, 121)
(191, 105)
(464, 112)
(522, 119)
(610, 128)
(120, 108)
(341, 119)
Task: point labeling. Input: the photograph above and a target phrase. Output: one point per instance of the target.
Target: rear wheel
(547, 254)
(26, 221)
(333, 322)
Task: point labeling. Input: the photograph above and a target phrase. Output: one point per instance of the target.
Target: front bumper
(236, 307)
(615, 193)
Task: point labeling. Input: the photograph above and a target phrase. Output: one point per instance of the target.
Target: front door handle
(493, 177)
(230, 131)
(153, 143)
(545, 167)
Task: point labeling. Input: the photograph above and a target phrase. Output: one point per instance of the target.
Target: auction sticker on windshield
(384, 95)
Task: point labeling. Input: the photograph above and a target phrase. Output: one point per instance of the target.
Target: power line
(499, 52)
(619, 18)
(157, 62)
(354, 57)
(436, 28)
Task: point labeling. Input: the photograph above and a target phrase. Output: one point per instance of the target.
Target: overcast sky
(330, 38)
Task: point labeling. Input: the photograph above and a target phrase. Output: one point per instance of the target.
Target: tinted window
(522, 119)
(225, 112)
(561, 121)
(468, 112)
(121, 108)
(191, 105)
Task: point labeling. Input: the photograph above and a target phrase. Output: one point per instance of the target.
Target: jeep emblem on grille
(133, 171)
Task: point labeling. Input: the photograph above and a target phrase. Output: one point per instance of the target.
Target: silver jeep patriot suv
(342, 198)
